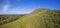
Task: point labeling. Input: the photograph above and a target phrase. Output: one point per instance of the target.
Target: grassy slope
(37, 19)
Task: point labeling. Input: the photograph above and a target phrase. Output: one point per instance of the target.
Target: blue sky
(26, 6)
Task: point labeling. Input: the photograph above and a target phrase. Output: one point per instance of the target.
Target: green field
(40, 18)
(8, 18)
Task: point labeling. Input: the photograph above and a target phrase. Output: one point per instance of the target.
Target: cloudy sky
(26, 6)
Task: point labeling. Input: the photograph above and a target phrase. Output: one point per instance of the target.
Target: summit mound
(40, 18)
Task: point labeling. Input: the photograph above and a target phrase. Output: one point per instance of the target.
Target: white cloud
(18, 10)
(6, 6)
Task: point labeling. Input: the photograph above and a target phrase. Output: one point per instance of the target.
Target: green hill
(40, 18)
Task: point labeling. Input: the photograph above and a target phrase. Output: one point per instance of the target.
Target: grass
(40, 18)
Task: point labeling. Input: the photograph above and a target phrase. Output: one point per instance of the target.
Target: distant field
(8, 18)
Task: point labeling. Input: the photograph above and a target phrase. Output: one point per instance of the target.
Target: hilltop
(40, 18)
